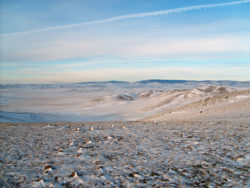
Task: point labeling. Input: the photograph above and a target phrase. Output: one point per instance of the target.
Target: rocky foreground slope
(125, 154)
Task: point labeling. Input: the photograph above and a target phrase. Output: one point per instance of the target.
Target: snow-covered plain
(110, 101)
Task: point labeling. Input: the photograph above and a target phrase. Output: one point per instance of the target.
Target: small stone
(80, 150)
(38, 183)
(71, 143)
(73, 174)
(132, 174)
(154, 174)
(195, 143)
(138, 176)
(47, 168)
(78, 155)
(88, 142)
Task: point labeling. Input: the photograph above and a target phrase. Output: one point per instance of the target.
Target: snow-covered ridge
(116, 102)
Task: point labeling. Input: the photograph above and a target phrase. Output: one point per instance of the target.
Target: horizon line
(123, 81)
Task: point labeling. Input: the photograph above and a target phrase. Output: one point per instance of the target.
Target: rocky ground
(125, 154)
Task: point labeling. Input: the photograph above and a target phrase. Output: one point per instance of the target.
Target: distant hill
(163, 81)
(189, 83)
(107, 82)
(215, 82)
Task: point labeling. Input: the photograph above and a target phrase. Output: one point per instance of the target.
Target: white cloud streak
(130, 16)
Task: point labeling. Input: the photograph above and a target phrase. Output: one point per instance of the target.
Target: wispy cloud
(127, 74)
(130, 16)
(169, 47)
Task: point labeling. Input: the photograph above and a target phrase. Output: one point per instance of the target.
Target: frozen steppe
(123, 102)
(116, 134)
(125, 154)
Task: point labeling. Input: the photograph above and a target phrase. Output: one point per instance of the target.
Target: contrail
(130, 16)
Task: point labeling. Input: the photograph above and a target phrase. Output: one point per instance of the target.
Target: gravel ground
(125, 154)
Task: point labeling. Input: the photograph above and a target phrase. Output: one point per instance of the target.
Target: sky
(63, 41)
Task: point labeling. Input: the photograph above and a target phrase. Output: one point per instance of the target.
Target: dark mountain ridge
(124, 83)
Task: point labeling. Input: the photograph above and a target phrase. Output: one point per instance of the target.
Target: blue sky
(46, 41)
